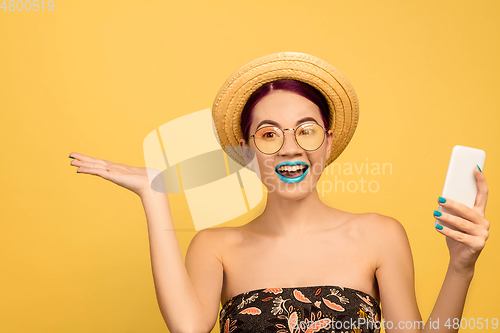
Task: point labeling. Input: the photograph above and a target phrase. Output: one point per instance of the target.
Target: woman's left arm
(395, 273)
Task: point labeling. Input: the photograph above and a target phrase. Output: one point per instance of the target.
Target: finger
(89, 159)
(101, 172)
(462, 224)
(482, 192)
(89, 165)
(465, 212)
(475, 243)
(108, 167)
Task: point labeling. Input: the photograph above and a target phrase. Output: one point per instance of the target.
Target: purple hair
(297, 87)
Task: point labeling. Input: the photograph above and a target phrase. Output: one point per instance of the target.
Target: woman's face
(285, 109)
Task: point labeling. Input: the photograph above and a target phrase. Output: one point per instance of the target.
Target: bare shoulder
(386, 234)
(216, 238)
(379, 225)
(380, 232)
(218, 233)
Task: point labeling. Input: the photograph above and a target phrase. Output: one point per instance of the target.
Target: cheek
(266, 166)
(318, 162)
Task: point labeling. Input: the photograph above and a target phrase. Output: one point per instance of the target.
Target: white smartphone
(460, 183)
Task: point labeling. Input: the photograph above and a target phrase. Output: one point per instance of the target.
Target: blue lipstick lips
(292, 179)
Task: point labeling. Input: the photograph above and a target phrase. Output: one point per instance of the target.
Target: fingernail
(77, 171)
(442, 200)
(479, 168)
(439, 226)
(437, 213)
(71, 157)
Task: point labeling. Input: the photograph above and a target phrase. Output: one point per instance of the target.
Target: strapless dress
(301, 310)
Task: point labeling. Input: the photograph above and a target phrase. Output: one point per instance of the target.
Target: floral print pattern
(301, 310)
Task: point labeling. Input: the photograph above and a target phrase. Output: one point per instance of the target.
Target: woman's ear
(329, 140)
(246, 152)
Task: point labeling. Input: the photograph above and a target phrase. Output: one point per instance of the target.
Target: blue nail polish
(479, 168)
(437, 213)
(71, 157)
(439, 226)
(442, 200)
(78, 171)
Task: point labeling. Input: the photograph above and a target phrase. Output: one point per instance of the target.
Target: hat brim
(233, 95)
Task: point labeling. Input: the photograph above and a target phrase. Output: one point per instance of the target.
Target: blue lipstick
(292, 179)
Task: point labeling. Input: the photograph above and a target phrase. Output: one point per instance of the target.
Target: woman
(301, 266)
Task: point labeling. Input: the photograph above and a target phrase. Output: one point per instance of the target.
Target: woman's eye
(307, 132)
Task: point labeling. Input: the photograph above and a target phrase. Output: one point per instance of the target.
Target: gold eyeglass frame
(294, 135)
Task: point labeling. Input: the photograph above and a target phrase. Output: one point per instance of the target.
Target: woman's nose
(289, 147)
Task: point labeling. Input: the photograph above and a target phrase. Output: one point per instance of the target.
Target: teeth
(291, 168)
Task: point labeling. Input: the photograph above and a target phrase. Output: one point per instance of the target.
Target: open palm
(133, 178)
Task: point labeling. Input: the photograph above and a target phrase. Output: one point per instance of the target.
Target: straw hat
(328, 80)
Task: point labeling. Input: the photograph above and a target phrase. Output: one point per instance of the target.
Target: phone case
(460, 183)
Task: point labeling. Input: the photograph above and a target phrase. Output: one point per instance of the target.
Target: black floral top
(301, 310)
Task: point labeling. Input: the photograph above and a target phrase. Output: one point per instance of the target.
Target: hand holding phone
(460, 183)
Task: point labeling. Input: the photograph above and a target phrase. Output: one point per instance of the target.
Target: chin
(291, 196)
(289, 191)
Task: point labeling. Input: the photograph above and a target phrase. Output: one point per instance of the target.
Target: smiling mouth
(289, 171)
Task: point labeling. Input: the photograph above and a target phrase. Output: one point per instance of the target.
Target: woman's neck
(290, 219)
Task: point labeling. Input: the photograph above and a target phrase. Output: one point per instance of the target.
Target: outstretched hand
(466, 244)
(132, 178)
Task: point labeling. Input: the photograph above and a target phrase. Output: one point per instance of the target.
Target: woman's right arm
(189, 302)
(188, 298)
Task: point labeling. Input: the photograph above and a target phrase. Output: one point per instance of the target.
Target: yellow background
(95, 77)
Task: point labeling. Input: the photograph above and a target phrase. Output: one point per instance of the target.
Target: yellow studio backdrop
(95, 77)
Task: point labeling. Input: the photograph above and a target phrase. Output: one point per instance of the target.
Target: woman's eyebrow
(305, 119)
(272, 122)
